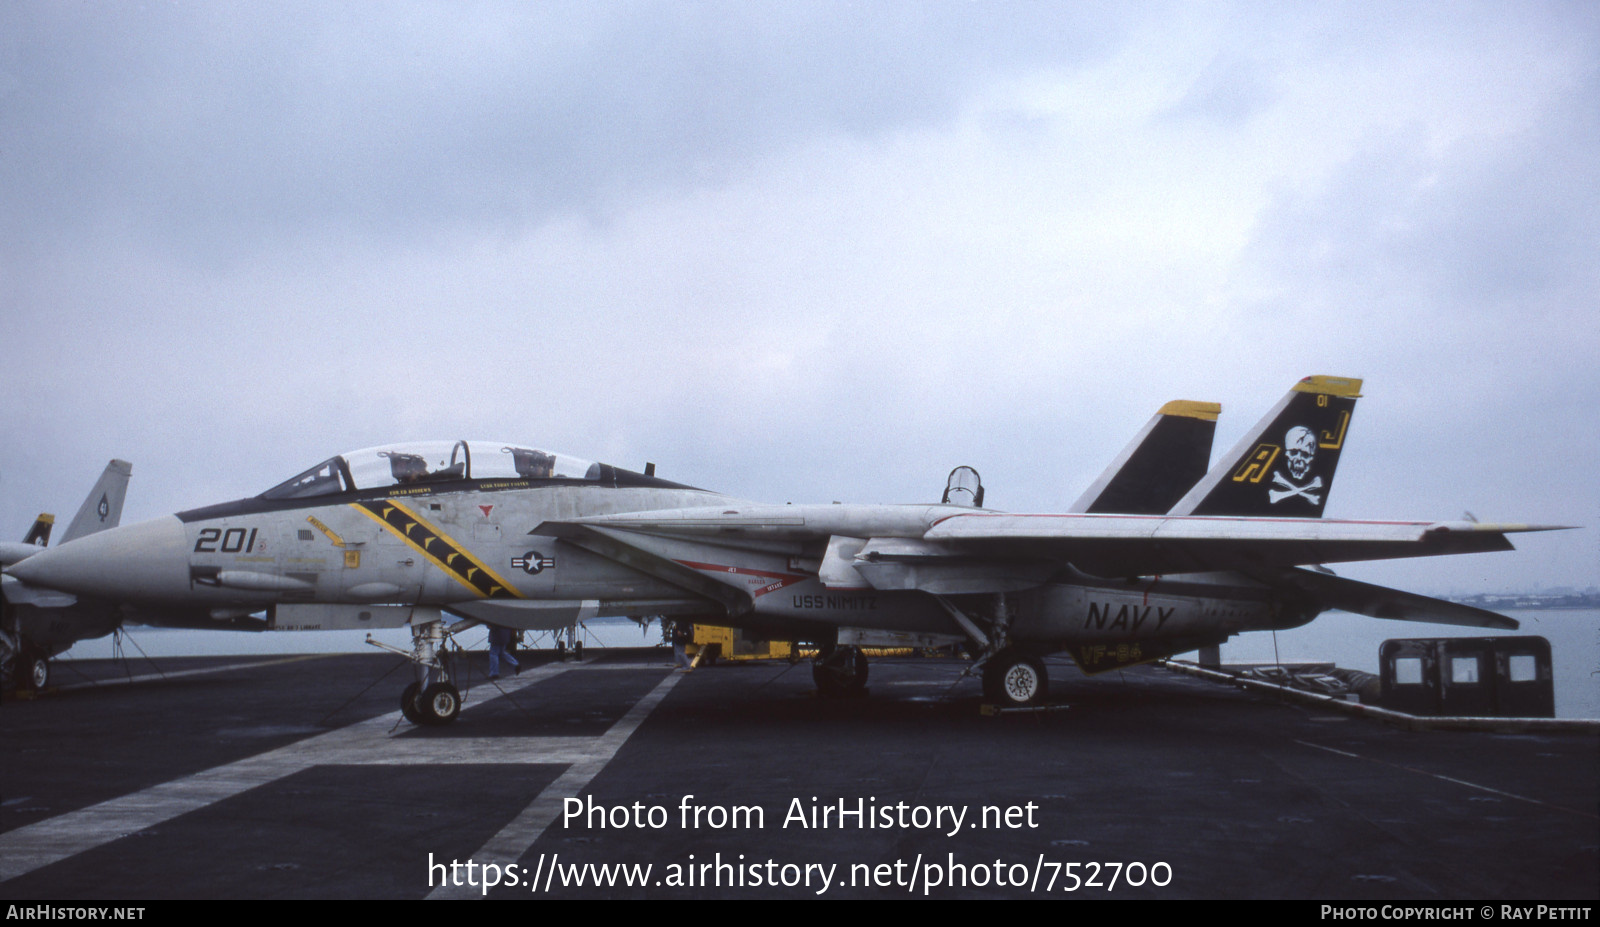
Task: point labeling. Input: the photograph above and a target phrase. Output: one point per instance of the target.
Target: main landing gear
(839, 671)
(568, 642)
(36, 670)
(1012, 678)
(22, 667)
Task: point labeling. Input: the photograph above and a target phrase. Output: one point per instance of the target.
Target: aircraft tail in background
(39, 534)
(103, 507)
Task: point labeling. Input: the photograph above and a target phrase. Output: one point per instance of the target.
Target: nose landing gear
(432, 699)
(439, 704)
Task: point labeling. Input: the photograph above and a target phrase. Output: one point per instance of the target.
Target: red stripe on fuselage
(780, 579)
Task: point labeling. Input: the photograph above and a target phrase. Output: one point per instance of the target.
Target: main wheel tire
(840, 671)
(827, 682)
(440, 703)
(38, 671)
(1023, 681)
(1015, 680)
(408, 703)
(858, 673)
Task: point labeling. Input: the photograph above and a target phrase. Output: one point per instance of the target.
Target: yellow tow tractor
(712, 643)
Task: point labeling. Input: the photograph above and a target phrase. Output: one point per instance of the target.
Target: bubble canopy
(424, 462)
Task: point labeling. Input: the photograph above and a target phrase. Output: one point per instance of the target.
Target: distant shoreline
(1530, 601)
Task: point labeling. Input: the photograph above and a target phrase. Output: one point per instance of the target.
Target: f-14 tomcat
(1159, 557)
(35, 625)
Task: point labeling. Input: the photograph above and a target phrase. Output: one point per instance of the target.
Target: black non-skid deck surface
(267, 777)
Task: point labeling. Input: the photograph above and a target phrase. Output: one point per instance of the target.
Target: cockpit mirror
(964, 487)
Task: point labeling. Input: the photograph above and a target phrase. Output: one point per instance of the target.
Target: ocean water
(1350, 641)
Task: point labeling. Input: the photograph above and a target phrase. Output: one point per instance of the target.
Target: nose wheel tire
(408, 703)
(1015, 680)
(440, 704)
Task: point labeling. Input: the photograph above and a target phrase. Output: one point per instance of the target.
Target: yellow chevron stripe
(462, 573)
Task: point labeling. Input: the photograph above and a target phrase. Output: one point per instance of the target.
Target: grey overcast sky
(806, 251)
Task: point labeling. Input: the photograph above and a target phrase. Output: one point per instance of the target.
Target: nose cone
(146, 562)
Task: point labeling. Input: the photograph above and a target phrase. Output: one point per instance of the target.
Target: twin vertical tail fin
(1285, 466)
(39, 534)
(1159, 465)
(102, 508)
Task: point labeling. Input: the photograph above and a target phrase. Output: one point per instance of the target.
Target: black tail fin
(1285, 466)
(39, 534)
(1159, 465)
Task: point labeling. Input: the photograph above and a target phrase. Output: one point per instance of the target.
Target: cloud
(798, 252)
(216, 125)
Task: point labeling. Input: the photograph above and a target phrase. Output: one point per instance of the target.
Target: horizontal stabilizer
(1349, 595)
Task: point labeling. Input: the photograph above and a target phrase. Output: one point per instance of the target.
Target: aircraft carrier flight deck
(617, 776)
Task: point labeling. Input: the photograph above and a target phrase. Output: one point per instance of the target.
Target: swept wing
(1100, 545)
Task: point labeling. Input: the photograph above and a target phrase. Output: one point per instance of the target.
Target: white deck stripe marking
(1470, 785)
(28, 848)
(177, 674)
(365, 743)
(518, 837)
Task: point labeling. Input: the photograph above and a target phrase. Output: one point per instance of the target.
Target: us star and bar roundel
(444, 552)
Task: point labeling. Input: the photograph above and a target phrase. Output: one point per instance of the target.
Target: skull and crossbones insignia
(1300, 449)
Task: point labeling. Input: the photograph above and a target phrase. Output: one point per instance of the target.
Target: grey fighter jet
(507, 534)
(36, 624)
